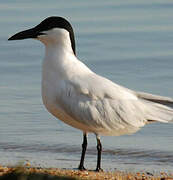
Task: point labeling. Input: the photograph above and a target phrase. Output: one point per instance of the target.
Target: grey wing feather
(156, 98)
(110, 109)
(101, 109)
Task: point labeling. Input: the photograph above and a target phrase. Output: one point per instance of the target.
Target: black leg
(84, 147)
(99, 150)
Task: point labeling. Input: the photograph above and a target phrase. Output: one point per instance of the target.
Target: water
(129, 42)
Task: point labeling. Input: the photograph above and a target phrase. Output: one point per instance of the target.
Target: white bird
(84, 100)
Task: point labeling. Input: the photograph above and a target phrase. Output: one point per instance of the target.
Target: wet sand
(32, 173)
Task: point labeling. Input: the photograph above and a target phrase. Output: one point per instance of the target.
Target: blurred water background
(129, 42)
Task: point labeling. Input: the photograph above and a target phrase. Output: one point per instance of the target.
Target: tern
(85, 100)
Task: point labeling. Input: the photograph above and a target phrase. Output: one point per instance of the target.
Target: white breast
(57, 68)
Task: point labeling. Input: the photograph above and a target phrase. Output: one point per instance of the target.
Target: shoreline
(56, 173)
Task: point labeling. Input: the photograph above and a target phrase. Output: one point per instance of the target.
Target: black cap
(47, 24)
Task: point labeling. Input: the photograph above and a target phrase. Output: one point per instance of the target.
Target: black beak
(30, 33)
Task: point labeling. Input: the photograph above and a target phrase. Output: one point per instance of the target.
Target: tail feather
(159, 108)
(159, 112)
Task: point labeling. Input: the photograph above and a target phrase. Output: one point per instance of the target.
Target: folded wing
(103, 106)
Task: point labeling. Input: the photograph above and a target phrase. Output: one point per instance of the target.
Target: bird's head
(51, 30)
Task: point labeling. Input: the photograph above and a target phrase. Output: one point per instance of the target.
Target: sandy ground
(31, 173)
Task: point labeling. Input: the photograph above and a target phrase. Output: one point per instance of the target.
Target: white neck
(56, 41)
(60, 61)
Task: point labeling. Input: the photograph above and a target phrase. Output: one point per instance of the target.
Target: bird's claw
(99, 170)
(82, 168)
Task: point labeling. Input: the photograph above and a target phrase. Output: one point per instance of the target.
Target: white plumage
(87, 101)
